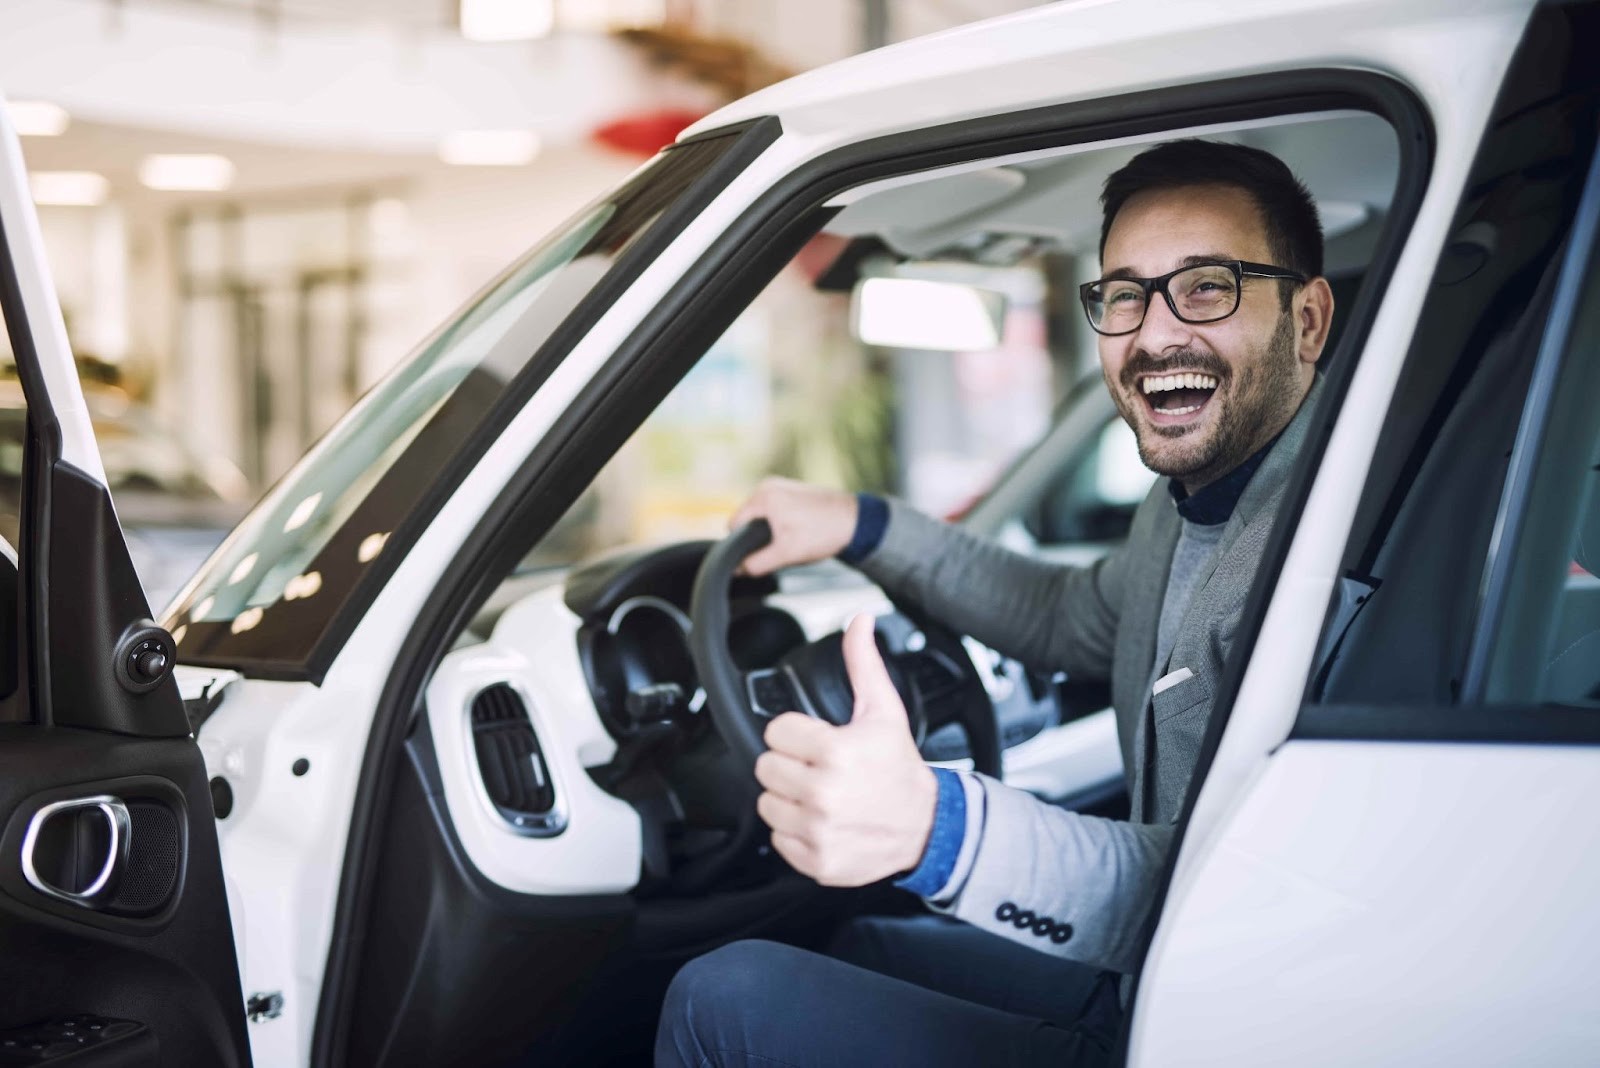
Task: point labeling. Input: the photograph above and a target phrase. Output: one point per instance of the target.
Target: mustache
(1143, 363)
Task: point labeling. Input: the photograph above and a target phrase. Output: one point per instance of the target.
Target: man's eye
(1124, 296)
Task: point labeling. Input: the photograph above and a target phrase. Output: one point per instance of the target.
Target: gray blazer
(1085, 883)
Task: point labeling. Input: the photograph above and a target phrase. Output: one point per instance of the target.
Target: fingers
(763, 562)
(797, 735)
(748, 512)
(869, 678)
(783, 816)
(783, 775)
(802, 857)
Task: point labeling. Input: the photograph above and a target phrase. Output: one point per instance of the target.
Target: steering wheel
(928, 662)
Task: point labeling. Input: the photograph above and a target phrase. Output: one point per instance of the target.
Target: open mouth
(1177, 398)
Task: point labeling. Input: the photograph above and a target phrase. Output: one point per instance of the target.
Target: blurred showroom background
(255, 208)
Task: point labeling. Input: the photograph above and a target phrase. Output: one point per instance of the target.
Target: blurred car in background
(175, 505)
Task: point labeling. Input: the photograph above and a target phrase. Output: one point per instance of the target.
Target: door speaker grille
(155, 860)
(515, 775)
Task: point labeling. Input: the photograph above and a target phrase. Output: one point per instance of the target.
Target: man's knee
(707, 998)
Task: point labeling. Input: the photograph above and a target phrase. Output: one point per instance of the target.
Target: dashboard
(577, 754)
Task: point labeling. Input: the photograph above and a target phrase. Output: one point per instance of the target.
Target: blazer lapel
(1142, 617)
(1143, 612)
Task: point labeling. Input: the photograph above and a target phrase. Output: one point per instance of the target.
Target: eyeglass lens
(1201, 294)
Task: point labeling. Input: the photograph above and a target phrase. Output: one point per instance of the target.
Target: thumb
(875, 694)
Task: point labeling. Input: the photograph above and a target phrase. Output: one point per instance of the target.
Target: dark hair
(1294, 233)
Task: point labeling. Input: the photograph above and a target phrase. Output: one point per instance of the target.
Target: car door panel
(117, 945)
(1352, 929)
(149, 953)
(1405, 875)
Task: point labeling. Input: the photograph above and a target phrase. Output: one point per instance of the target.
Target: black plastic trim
(752, 139)
(42, 451)
(1473, 724)
(775, 226)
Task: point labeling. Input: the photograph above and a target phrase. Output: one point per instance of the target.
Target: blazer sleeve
(1066, 884)
(1048, 616)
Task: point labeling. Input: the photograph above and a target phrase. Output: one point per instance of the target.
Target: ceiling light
(73, 189)
(506, 20)
(911, 313)
(198, 173)
(489, 148)
(38, 118)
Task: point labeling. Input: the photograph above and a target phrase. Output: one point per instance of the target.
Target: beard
(1252, 403)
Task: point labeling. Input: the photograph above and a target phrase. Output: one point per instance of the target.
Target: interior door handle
(75, 850)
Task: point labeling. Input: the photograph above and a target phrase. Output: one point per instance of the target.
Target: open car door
(117, 946)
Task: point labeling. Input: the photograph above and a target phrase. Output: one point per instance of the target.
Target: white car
(431, 807)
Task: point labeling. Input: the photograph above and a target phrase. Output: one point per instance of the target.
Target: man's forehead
(1161, 230)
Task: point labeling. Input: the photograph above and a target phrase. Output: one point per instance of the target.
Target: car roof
(1084, 49)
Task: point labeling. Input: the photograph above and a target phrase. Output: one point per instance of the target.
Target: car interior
(568, 739)
(1444, 459)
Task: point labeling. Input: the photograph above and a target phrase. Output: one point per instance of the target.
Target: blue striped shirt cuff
(944, 841)
(872, 520)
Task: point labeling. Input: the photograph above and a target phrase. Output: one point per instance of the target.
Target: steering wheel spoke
(772, 692)
(935, 672)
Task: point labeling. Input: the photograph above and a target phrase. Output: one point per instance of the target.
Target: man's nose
(1162, 330)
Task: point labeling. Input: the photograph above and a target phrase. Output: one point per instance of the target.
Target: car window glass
(1544, 637)
(1406, 614)
(274, 586)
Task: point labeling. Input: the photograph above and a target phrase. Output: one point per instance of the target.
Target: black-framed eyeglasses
(1199, 293)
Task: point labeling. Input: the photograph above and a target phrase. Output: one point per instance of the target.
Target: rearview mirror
(914, 313)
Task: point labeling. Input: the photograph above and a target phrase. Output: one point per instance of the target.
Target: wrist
(923, 810)
(869, 521)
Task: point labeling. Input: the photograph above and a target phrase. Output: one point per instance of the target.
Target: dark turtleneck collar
(1214, 502)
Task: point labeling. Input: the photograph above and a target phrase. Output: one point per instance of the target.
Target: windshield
(381, 472)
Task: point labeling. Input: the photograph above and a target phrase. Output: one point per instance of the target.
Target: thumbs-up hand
(849, 805)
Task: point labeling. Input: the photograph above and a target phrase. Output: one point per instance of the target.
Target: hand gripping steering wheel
(930, 664)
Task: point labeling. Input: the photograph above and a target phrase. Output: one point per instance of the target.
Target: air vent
(515, 774)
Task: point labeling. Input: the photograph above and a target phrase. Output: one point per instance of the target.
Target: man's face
(1254, 367)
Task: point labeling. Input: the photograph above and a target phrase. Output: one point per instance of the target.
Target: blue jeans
(921, 991)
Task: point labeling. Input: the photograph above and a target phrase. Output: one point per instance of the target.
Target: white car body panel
(1340, 932)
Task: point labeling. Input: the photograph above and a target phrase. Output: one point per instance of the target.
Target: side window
(1469, 575)
(1096, 495)
(1540, 639)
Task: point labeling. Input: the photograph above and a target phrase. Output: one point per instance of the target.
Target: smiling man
(1211, 315)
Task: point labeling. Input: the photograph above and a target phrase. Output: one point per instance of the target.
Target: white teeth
(1164, 383)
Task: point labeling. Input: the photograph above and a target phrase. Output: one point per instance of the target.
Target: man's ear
(1313, 316)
